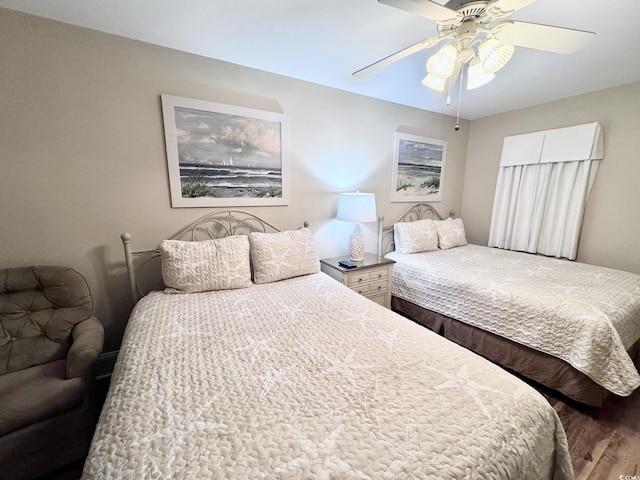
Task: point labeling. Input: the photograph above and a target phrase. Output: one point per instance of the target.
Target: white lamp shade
(357, 207)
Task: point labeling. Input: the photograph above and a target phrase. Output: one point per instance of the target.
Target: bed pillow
(281, 255)
(415, 237)
(451, 233)
(220, 264)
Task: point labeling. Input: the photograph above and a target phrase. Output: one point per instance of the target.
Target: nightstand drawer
(378, 286)
(379, 274)
(358, 279)
(361, 289)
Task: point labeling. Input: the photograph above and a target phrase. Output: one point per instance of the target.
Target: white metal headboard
(420, 211)
(144, 267)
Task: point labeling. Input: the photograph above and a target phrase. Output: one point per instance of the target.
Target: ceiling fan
(482, 37)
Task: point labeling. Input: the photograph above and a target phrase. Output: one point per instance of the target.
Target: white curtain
(541, 194)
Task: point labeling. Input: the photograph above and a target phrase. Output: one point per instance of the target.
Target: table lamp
(357, 207)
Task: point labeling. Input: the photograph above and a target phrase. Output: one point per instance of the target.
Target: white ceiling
(325, 41)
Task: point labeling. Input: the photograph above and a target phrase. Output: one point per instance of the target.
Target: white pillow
(415, 237)
(281, 255)
(220, 264)
(451, 233)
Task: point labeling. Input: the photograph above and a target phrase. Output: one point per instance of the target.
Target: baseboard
(103, 366)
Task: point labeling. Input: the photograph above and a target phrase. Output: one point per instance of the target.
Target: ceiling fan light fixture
(435, 83)
(442, 64)
(476, 76)
(494, 54)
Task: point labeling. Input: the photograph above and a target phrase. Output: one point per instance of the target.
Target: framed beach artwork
(222, 155)
(418, 168)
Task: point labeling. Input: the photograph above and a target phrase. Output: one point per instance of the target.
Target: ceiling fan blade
(504, 8)
(426, 43)
(541, 37)
(424, 8)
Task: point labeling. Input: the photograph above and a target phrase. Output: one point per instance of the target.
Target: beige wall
(82, 150)
(612, 218)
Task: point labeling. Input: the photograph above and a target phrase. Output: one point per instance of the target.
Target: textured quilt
(584, 314)
(306, 379)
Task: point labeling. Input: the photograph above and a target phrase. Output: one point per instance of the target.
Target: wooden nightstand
(371, 278)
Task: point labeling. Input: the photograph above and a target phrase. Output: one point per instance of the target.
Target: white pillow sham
(451, 233)
(281, 255)
(415, 237)
(219, 264)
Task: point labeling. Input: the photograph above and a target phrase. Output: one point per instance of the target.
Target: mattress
(304, 378)
(586, 315)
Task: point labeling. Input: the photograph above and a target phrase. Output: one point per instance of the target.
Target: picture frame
(418, 168)
(222, 155)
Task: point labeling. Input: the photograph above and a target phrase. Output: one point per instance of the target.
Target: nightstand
(371, 278)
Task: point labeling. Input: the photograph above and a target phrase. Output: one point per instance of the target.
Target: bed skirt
(540, 367)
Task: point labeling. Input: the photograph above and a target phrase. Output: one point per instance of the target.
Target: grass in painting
(194, 185)
(429, 183)
(270, 192)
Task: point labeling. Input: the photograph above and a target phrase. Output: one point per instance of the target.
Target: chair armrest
(88, 339)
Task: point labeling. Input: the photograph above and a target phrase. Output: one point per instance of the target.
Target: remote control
(347, 264)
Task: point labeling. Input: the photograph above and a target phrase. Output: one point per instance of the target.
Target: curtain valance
(569, 144)
(543, 183)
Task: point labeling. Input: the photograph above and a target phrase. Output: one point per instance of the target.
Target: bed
(569, 326)
(294, 375)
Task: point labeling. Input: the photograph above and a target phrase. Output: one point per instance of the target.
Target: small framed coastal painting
(221, 155)
(418, 168)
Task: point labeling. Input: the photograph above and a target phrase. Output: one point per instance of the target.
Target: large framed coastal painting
(222, 155)
(418, 168)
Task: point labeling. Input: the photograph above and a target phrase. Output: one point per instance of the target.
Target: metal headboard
(419, 211)
(144, 266)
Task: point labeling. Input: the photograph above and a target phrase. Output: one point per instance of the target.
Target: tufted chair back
(39, 307)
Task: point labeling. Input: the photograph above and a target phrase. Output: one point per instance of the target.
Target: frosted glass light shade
(494, 54)
(435, 83)
(441, 64)
(476, 77)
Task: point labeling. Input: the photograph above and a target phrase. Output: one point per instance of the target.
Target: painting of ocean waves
(227, 181)
(418, 168)
(223, 155)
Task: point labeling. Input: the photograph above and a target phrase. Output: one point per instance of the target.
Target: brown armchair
(49, 340)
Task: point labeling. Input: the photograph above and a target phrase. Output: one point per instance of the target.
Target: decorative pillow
(281, 255)
(220, 264)
(415, 237)
(451, 233)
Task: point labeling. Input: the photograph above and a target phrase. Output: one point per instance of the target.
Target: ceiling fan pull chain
(457, 125)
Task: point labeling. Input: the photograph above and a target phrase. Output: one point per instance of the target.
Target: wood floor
(604, 442)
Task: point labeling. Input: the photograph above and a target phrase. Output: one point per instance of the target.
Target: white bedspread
(584, 314)
(305, 378)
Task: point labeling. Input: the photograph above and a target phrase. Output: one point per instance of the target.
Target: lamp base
(356, 244)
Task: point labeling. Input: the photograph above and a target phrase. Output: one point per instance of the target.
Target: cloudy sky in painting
(418, 153)
(214, 138)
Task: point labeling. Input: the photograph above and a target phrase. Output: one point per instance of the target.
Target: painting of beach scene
(418, 168)
(222, 155)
